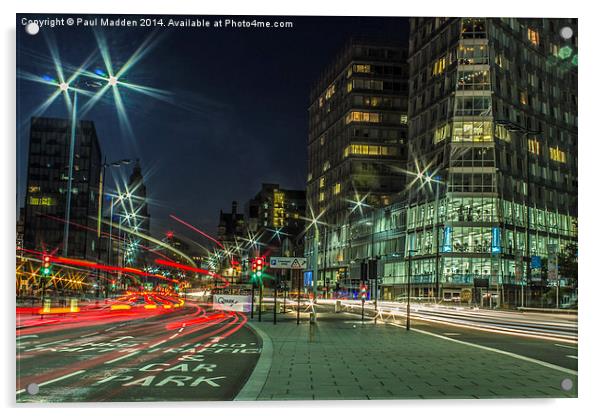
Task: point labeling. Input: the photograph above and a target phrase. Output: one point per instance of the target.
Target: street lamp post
(64, 87)
(410, 252)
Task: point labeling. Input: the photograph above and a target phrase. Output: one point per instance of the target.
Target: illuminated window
(321, 197)
(337, 188)
(441, 133)
(309, 177)
(362, 69)
(533, 36)
(322, 140)
(557, 155)
(403, 119)
(363, 117)
(370, 150)
(473, 55)
(534, 146)
(349, 86)
(330, 91)
(326, 166)
(473, 80)
(322, 182)
(34, 189)
(524, 99)
(472, 131)
(46, 201)
(502, 133)
(439, 66)
(320, 102)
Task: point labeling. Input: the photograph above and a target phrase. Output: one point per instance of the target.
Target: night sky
(238, 110)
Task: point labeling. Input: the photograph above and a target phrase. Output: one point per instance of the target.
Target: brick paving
(341, 358)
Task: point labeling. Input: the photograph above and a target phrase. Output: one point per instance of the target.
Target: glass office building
(493, 151)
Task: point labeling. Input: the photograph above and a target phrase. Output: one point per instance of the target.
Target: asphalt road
(185, 354)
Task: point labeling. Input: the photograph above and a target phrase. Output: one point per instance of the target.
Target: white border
(589, 239)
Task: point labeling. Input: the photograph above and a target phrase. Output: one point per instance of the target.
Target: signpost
(553, 270)
(288, 262)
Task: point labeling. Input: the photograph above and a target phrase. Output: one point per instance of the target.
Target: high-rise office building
(47, 184)
(493, 147)
(356, 147)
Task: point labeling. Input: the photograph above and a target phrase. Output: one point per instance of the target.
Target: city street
(189, 353)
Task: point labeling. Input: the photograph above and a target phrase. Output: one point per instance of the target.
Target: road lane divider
(45, 383)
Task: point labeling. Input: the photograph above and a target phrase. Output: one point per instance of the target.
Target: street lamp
(117, 163)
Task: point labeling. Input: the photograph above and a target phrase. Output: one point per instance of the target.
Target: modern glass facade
(493, 144)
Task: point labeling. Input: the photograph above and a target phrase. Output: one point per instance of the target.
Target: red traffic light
(259, 262)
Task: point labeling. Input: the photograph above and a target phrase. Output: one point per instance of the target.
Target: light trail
(197, 230)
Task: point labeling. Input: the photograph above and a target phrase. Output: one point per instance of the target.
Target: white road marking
(26, 336)
(89, 335)
(55, 380)
(108, 329)
(122, 357)
(181, 329)
(451, 333)
(173, 336)
(510, 354)
(48, 343)
(158, 343)
(572, 356)
(566, 346)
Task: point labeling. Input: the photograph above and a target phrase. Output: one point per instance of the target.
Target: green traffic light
(565, 52)
(46, 271)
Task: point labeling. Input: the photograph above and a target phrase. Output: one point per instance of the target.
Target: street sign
(288, 263)
(232, 303)
(536, 262)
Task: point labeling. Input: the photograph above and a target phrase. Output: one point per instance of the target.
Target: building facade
(356, 147)
(493, 151)
(276, 216)
(47, 187)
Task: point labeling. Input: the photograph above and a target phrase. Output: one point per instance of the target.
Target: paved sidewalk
(341, 358)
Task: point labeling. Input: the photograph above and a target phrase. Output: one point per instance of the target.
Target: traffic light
(260, 266)
(46, 265)
(113, 284)
(363, 292)
(253, 269)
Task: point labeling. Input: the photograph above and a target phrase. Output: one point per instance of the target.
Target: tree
(567, 262)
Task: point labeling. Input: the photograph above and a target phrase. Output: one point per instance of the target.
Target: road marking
(510, 354)
(89, 335)
(107, 330)
(48, 343)
(451, 333)
(566, 346)
(173, 336)
(181, 329)
(572, 356)
(26, 336)
(122, 357)
(158, 343)
(55, 380)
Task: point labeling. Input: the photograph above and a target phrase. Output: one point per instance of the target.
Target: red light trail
(194, 270)
(197, 230)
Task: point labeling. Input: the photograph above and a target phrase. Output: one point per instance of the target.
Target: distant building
(133, 214)
(47, 182)
(231, 226)
(276, 217)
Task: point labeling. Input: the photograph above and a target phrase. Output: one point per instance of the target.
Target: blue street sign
(308, 278)
(536, 262)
